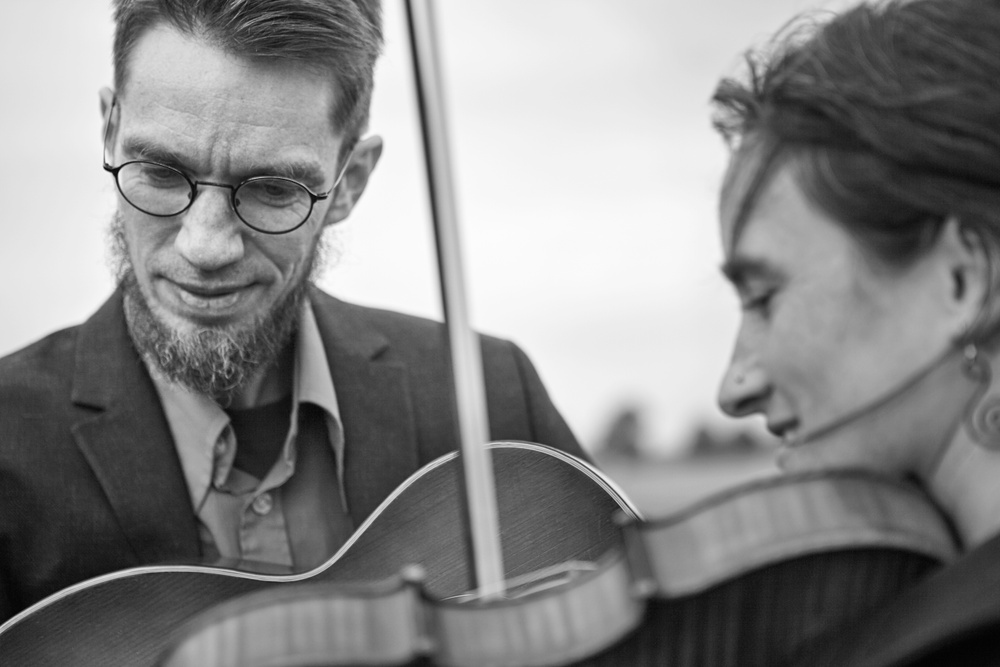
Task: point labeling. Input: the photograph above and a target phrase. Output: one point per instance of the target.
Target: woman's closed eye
(757, 301)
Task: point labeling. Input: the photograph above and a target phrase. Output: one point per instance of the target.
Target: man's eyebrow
(307, 172)
(143, 149)
(739, 269)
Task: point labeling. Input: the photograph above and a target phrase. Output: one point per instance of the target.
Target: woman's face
(825, 330)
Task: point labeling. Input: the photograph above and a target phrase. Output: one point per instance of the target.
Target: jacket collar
(127, 442)
(373, 394)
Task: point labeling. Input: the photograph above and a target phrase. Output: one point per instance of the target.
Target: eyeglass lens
(269, 204)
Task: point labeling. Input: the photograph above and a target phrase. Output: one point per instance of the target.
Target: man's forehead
(194, 106)
(172, 61)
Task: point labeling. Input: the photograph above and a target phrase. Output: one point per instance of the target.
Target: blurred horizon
(586, 175)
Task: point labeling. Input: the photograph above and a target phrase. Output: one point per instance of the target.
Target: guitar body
(553, 507)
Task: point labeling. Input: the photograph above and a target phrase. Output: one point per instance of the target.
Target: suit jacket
(950, 618)
(90, 481)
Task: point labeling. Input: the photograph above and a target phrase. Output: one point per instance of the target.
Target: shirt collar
(197, 423)
(313, 382)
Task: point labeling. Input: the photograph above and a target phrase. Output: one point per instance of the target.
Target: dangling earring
(982, 418)
(973, 365)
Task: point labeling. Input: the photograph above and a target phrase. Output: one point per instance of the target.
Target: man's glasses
(267, 204)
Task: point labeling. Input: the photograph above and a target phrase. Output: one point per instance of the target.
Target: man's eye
(161, 176)
(277, 193)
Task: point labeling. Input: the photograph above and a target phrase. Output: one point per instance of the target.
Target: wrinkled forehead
(163, 48)
(174, 70)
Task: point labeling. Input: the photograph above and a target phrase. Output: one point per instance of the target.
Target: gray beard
(213, 361)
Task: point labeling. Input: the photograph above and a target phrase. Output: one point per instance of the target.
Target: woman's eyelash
(758, 301)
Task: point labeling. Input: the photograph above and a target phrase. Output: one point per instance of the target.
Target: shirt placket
(261, 533)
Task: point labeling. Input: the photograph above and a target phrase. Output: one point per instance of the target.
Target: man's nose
(744, 388)
(211, 236)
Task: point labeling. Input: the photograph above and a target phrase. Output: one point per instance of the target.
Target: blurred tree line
(624, 438)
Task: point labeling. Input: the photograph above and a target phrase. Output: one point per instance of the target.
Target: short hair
(891, 113)
(343, 37)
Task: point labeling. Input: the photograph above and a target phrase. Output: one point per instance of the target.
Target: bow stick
(480, 490)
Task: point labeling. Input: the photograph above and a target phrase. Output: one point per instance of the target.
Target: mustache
(213, 361)
(325, 253)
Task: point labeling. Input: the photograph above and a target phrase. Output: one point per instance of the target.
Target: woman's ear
(359, 167)
(965, 260)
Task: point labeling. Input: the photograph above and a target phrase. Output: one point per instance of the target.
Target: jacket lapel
(127, 441)
(373, 395)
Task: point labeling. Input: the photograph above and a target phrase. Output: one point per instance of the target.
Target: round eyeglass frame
(233, 189)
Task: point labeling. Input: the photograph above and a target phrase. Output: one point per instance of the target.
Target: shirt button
(263, 503)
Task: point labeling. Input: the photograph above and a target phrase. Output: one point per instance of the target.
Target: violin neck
(480, 492)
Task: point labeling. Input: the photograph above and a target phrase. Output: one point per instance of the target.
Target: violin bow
(466, 357)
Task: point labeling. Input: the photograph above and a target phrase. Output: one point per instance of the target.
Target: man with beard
(219, 405)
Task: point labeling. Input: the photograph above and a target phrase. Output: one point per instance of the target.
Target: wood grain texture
(554, 509)
(394, 624)
(753, 576)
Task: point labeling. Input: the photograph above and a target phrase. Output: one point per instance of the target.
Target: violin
(749, 576)
(752, 576)
(563, 568)
(132, 616)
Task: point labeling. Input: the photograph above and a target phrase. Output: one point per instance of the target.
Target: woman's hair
(891, 112)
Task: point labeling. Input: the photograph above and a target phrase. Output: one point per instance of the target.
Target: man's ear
(965, 259)
(360, 165)
(107, 98)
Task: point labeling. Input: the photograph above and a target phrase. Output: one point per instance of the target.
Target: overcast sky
(587, 175)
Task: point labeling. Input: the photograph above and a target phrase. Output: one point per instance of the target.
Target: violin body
(764, 618)
(554, 508)
(754, 576)
(761, 573)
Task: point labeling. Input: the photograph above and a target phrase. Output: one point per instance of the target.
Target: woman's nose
(743, 390)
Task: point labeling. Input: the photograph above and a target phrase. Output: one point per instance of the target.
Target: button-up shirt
(239, 515)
